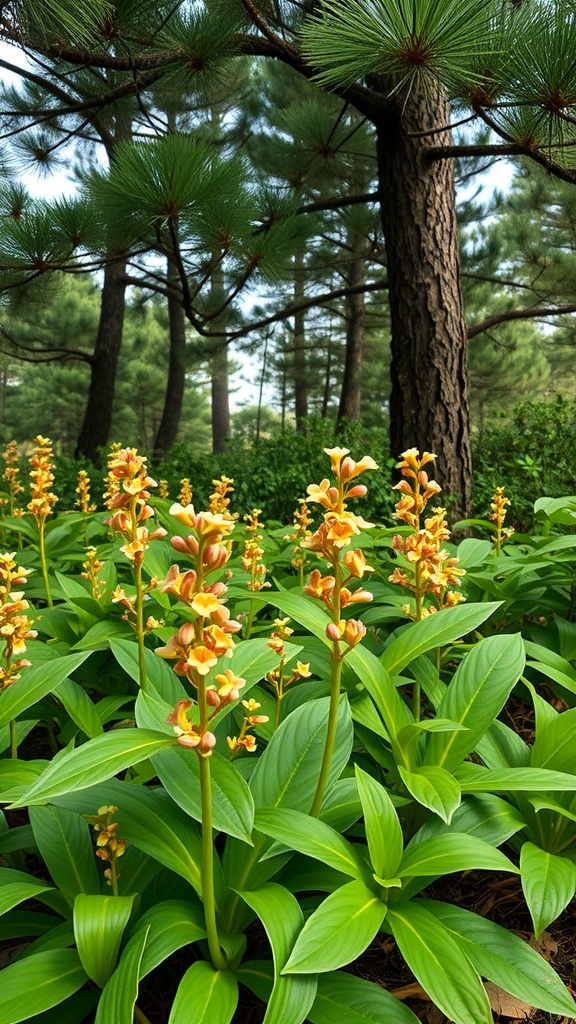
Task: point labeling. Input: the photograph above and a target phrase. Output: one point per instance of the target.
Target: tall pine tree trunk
(350, 395)
(175, 385)
(429, 402)
(95, 430)
(220, 398)
(299, 339)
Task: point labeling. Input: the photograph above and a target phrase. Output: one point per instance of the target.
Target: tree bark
(220, 399)
(175, 385)
(429, 406)
(95, 430)
(299, 339)
(350, 395)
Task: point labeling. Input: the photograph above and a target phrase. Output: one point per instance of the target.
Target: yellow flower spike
(185, 495)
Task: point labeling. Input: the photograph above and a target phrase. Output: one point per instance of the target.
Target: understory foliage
(206, 722)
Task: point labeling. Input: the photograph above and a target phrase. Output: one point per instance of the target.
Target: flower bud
(186, 634)
(333, 631)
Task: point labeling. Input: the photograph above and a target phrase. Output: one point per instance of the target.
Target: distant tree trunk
(176, 382)
(299, 343)
(220, 399)
(350, 396)
(327, 380)
(429, 402)
(95, 430)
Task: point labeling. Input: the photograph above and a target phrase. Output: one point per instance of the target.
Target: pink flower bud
(333, 631)
(358, 491)
(207, 742)
(186, 634)
(212, 697)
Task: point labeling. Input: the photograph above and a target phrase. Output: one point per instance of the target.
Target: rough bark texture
(220, 399)
(350, 395)
(172, 411)
(95, 430)
(429, 402)
(300, 370)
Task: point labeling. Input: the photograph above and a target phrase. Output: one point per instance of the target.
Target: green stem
(13, 741)
(43, 562)
(140, 1016)
(207, 867)
(114, 878)
(249, 620)
(139, 609)
(331, 733)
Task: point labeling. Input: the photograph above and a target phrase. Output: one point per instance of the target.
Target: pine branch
(531, 313)
(53, 355)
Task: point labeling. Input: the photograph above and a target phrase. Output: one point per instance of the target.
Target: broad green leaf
(95, 761)
(286, 776)
(472, 552)
(280, 913)
(476, 695)
(436, 960)
(554, 746)
(39, 982)
(485, 816)
(313, 838)
(13, 893)
(342, 807)
(548, 883)
(166, 684)
(121, 991)
(383, 829)
(64, 841)
(149, 820)
(232, 804)
(548, 803)
(375, 678)
(433, 788)
(35, 683)
(99, 923)
(101, 633)
(305, 612)
(503, 958)
(473, 778)
(337, 932)
(346, 999)
(172, 924)
(435, 631)
(452, 852)
(79, 706)
(16, 776)
(205, 996)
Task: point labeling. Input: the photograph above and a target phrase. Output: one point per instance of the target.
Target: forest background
(228, 203)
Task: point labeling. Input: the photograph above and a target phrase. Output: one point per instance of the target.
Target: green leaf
(383, 829)
(473, 778)
(305, 612)
(554, 746)
(548, 883)
(337, 932)
(64, 841)
(486, 816)
(99, 923)
(436, 960)
(121, 991)
(13, 893)
(35, 683)
(232, 803)
(375, 678)
(95, 761)
(452, 852)
(435, 631)
(170, 925)
(476, 695)
(205, 996)
(16, 776)
(79, 706)
(345, 999)
(433, 788)
(503, 958)
(313, 838)
(282, 918)
(158, 672)
(35, 984)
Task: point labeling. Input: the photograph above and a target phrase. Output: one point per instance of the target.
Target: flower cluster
(108, 846)
(111, 482)
(279, 679)
(83, 492)
(163, 491)
(11, 475)
(302, 520)
(498, 506)
(245, 740)
(427, 567)
(253, 552)
(185, 495)
(336, 531)
(129, 504)
(199, 644)
(15, 626)
(42, 499)
(219, 500)
(92, 567)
